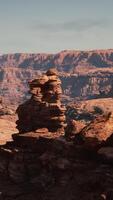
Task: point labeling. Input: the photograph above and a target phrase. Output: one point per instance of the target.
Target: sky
(50, 26)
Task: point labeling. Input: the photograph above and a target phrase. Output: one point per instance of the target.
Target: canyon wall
(84, 74)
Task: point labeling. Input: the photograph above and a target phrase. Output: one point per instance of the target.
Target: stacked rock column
(44, 109)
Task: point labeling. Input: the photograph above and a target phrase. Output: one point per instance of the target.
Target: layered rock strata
(44, 109)
(41, 125)
(45, 163)
(84, 74)
(96, 133)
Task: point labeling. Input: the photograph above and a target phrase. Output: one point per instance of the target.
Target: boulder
(97, 132)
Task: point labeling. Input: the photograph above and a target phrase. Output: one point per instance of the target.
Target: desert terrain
(54, 142)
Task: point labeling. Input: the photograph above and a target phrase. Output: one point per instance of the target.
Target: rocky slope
(84, 74)
(88, 110)
(45, 163)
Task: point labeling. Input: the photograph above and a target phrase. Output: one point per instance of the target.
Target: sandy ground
(7, 128)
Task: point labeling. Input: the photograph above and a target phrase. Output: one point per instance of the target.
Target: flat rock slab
(34, 138)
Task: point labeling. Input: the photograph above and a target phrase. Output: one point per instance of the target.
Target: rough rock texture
(43, 164)
(40, 124)
(84, 74)
(68, 59)
(80, 114)
(44, 109)
(49, 167)
(5, 110)
(58, 171)
(73, 128)
(96, 132)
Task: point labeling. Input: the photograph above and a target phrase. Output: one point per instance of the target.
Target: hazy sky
(55, 25)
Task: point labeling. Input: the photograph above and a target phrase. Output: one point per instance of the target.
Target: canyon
(50, 159)
(52, 151)
(84, 74)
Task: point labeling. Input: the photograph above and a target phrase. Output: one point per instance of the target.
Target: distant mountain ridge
(64, 61)
(85, 74)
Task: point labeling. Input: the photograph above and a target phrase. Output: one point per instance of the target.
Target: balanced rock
(41, 123)
(44, 109)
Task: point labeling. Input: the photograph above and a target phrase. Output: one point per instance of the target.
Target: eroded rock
(41, 125)
(97, 132)
(44, 109)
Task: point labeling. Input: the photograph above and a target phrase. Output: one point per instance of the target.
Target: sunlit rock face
(44, 109)
(84, 74)
(44, 162)
(41, 123)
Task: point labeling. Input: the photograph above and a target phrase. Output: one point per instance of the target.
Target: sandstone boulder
(97, 132)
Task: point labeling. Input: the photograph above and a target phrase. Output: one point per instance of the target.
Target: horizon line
(60, 51)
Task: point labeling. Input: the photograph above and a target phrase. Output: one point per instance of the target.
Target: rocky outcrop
(73, 128)
(97, 132)
(42, 163)
(58, 171)
(14, 84)
(66, 61)
(41, 123)
(44, 109)
(84, 74)
(90, 85)
(86, 111)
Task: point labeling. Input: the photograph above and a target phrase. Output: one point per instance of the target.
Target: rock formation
(5, 110)
(84, 74)
(46, 165)
(73, 128)
(41, 123)
(44, 109)
(97, 132)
